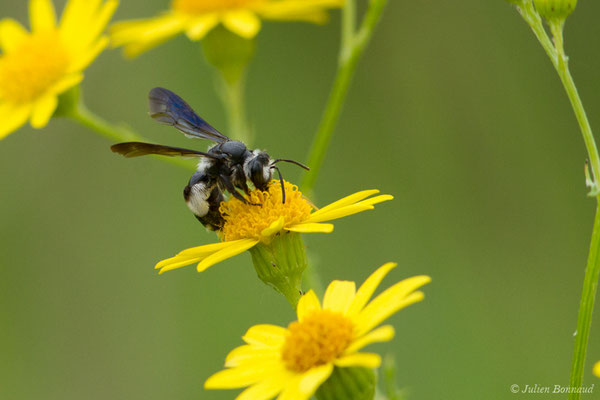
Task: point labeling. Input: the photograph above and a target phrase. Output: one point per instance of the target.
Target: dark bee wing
(137, 149)
(169, 109)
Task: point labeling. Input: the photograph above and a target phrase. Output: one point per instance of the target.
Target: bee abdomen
(203, 197)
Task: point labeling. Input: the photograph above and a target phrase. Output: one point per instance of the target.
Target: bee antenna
(280, 180)
(293, 162)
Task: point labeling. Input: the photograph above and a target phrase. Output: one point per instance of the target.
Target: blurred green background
(455, 110)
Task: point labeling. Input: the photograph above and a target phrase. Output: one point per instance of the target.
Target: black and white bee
(226, 166)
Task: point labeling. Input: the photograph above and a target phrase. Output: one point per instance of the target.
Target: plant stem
(567, 80)
(352, 46)
(534, 21)
(590, 283)
(87, 118)
(586, 309)
(232, 96)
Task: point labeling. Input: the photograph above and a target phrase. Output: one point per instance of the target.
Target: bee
(227, 166)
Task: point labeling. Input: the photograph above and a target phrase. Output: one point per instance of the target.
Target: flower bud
(280, 264)
(555, 9)
(68, 102)
(354, 383)
(228, 52)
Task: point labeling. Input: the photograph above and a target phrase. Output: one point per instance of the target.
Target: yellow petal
(328, 214)
(43, 110)
(338, 296)
(307, 304)
(242, 376)
(83, 23)
(597, 369)
(141, 35)
(267, 388)
(376, 199)
(101, 19)
(12, 34)
(12, 117)
(302, 387)
(389, 302)
(187, 260)
(77, 17)
(242, 22)
(346, 201)
(311, 11)
(275, 227)
(199, 27)
(367, 360)
(367, 289)
(174, 263)
(193, 255)
(85, 57)
(313, 378)
(382, 334)
(266, 335)
(339, 213)
(42, 15)
(315, 17)
(206, 249)
(66, 83)
(228, 252)
(311, 228)
(290, 390)
(251, 353)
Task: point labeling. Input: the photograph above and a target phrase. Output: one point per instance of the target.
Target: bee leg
(229, 186)
(244, 186)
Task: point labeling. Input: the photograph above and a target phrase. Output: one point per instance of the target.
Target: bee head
(258, 169)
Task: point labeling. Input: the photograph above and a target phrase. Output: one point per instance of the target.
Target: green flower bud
(354, 383)
(555, 9)
(228, 52)
(68, 102)
(280, 264)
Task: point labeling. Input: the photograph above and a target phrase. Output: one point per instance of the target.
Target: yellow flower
(197, 17)
(247, 225)
(294, 362)
(597, 369)
(36, 67)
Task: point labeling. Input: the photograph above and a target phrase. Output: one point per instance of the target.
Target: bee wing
(169, 109)
(137, 149)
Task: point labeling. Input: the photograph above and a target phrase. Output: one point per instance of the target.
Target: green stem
(232, 96)
(567, 80)
(352, 47)
(586, 309)
(590, 281)
(592, 273)
(534, 21)
(87, 118)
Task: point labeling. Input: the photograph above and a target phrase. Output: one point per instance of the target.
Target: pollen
(32, 68)
(245, 221)
(205, 6)
(319, 339)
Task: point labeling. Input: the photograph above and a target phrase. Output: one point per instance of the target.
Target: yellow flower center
(206, 6)
(244, 221)
(33, 67)
(319, 339)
